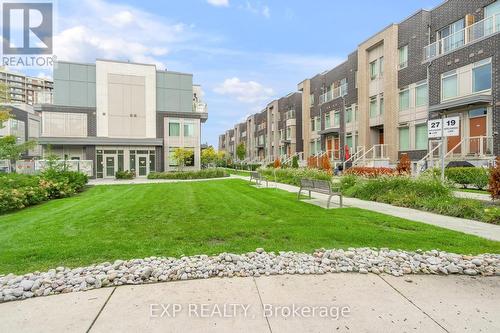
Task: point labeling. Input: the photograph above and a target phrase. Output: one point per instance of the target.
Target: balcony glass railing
(332, 94)
(470, 34)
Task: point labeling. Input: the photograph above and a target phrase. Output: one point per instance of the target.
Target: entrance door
(336, 145)
(381, 136)
(143, 166)
(453, 141)
(329, 147)
(288, 150)
(477, 128)
(110, 166)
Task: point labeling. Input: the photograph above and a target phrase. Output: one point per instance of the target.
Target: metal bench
(320, 186)
(257, 177)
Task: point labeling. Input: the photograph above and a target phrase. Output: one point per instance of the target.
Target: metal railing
(376, 152)
(471, 147)
(332, 94)
(432, 157)
(360, 150)
(470, 34)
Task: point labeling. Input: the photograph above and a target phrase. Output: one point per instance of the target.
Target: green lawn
(472, 190)
(133, 221)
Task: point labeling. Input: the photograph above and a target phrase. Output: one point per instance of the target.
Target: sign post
(443, 128)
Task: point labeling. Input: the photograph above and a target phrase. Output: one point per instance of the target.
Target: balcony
(471, 34)
(332, 94)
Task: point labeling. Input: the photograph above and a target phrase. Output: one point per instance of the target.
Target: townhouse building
(289, 125)
(435, 63)
(122, 116)
(23, 89)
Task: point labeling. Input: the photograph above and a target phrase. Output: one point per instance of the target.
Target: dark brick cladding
(293, 101)
(414, 32)
(448, 13)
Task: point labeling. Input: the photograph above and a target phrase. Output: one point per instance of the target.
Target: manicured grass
(106, 223)
(238, 172)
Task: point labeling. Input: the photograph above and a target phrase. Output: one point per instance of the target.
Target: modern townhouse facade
(290, 125)
(23, 89)
(122, 116)
(435, 63)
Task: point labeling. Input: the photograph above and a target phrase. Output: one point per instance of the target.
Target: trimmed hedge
(468, 176)
(293, 176)
(20, 191)
(201, 174)
(125, 174)
(427, 194)
(370, 171)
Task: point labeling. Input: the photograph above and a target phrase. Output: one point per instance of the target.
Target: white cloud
(266, 11)
(219, 3)
(127, 33)
(256, 8)
(244, 91)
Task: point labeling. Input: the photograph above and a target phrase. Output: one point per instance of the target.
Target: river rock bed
(258, 263)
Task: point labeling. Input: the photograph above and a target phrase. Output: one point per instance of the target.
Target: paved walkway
(472, 195)
(485, 230)
(345, 302)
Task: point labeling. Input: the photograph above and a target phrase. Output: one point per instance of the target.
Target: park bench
(320, 186)
(257, 177)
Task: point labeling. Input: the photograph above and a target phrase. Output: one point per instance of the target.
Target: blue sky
(243, 53)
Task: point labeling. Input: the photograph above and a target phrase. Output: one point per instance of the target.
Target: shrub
(293, 176)
(124, 174)
(370, 171)
(465, 176)
(424, 193)
(276, 163)
(494, 180)
(202, 174)
(20, 191)
(325, 164)
(295, 162)
(404, 165)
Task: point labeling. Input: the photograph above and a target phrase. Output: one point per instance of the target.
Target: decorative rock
(258, 263)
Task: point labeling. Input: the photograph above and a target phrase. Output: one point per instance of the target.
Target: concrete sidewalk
(354, 303)
(481, 229)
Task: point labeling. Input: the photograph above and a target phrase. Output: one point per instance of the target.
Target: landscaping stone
(258, 263)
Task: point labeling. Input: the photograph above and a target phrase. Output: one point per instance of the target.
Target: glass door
(143, 166)
(110, 166)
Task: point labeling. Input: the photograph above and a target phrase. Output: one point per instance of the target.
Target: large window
(481, 76)
(348, 115)
(381, 104)
(373, 106)
(403, 57)
(188, 129)
(348, 142)
(421, 137)
(404, 99)
(311, 99)
(174, 129)
(373, 70)
(449, 85)
(404, 138)
(336, 119)
(327, 120)
(421, 95)
(492, 9)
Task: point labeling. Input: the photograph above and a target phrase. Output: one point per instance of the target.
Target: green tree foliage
(208, 156)
(241, 151)
(182, 156)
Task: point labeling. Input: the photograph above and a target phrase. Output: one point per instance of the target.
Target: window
(190, 160)
(481, 112)
(449, 85)
(288, 133)
(404, 138)
(481, 76)
(492, 9)
(381, 66)
(348, 115)
(348, 142)
(421, 137)
(404, 99)
(311, 99)
(403, 57)
(188, 129)
(421, 95)
(381, 103)
(336, 119)
(343, 87)
(373, 70)
(327, 120)
(172, 162)
(373, 106)
(453, 36)
(174, 129)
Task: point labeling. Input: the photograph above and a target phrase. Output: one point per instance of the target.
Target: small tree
(276, 163)
(182, 156)
(404, 165)
(241, 151)
(208, 156)
(494, 181)
(325, 163)
(295, 162)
